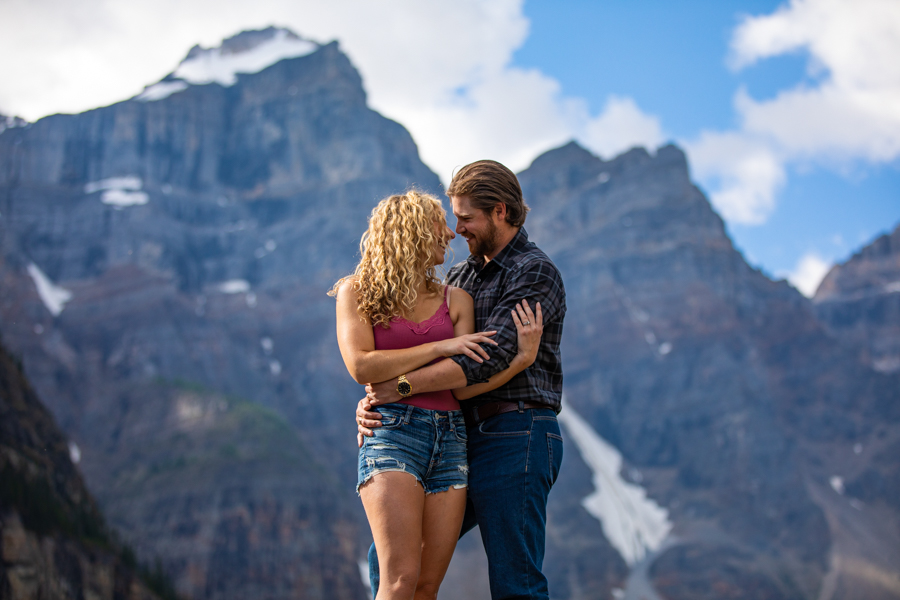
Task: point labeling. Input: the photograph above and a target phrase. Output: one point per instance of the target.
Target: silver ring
(527, 323)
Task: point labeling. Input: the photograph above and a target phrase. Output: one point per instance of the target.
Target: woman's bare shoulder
(459, 295)
(460, 302)
(346, 289)
(347, 297)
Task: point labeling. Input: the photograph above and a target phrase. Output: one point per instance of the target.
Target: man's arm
(537, 281)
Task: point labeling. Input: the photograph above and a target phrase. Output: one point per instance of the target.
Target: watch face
(404, 388)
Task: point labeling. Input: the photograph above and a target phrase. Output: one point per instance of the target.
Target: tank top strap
(447, 296)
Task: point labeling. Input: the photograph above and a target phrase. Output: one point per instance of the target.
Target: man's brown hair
(488, 183)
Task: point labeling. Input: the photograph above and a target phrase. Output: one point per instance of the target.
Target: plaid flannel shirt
(520, 270)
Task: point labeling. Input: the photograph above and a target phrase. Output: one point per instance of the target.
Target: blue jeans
(514, 459)
(430, 445)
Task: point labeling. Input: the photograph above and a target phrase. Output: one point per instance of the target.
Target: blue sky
(789, 110)
(671, 59)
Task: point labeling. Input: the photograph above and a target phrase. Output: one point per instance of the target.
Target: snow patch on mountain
(123, 198)
(53, 296)
(221, 65)
(247, 52)
(74, 453)
(161, 90)
(633, 523)
(119, 191)
(234, 286)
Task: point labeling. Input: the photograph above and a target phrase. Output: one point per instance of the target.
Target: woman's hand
(366, 420)
(468, 344)
(529, 328)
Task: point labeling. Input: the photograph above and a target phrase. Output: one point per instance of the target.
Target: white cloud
(744, 171)
(851, 113)
(621, 126)
(441, 69)
(808, 274)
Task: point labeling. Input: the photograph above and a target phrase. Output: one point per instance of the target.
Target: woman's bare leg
(441, 523)
(394, 503)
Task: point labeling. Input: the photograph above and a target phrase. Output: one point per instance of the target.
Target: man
(514, 442)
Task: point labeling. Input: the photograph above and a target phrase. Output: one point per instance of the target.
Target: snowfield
(633, 523)
(53, 296)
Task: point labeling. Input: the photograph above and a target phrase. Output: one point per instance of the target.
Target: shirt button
(478, 280)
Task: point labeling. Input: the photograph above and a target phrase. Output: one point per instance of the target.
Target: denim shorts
(430, 445)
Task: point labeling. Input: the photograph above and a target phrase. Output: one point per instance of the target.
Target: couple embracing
(458, 427)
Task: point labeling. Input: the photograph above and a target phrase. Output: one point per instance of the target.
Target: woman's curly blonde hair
(397, 257)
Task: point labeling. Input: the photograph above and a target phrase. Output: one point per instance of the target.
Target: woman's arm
(529, 339)
(366, 364)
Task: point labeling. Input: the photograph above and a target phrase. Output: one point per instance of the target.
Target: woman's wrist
(520, 362)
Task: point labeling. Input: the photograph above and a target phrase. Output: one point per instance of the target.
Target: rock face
(53, 542)
(188, 240)
(859, 301)
(719, 387)
(163, 274)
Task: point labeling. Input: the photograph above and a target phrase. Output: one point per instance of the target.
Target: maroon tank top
(404, 333)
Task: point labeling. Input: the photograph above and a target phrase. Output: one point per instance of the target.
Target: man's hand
(366, 420)
(529, 328)
(383, 393)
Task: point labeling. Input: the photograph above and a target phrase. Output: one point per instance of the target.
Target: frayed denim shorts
(430, 445)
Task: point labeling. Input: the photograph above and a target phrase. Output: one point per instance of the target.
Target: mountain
(55, 542)
(729, 401)
(859, 301)
(164, 263)
(10, 122)
(164, 268)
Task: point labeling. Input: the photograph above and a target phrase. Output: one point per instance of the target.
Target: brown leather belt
(478, 414)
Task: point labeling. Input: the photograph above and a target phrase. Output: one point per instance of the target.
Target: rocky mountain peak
(248, 40)
(873, 270)
(859, 301)
(606, 202)
(11, 122)
(246, 52)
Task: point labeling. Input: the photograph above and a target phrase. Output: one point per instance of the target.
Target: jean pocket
(507, 424)
(391, 417)
(555, 454)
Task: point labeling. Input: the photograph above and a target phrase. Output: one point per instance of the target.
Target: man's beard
(485, 246)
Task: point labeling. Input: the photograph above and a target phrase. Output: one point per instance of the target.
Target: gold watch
(403, 387)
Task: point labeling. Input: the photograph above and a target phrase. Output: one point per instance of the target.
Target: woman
(394, 316)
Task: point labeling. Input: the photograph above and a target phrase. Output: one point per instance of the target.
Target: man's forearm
(445, 375)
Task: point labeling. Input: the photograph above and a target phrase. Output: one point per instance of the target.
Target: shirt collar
(515, 246)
